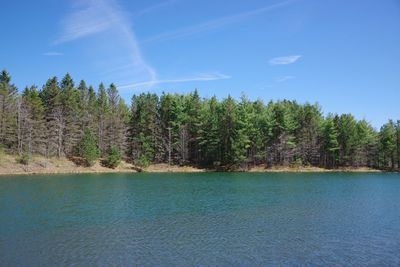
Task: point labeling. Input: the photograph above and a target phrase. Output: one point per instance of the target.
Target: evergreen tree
(209, 139)
(72, 114)
(194, 106)
(308, 135)
(228, 124)
(185, 129)
(32, 122)
(283, 143)
(51, 96)
(167, 118)
(83, 106)
(92, 111)
(88, 149)
(388, 144)
(114, 157)
(365, 146)
(347, 138)
(144, 129)
(102, 115)
(330, 143)
(8, 113)
(117, 121)
(244, 130)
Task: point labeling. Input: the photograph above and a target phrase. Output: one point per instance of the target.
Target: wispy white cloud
(155, 7)
(284, 60)
(88, 18)
(201, 77)
(213, 24)
(284, 78)
(98, 16)
(94, 17)
(53, 54)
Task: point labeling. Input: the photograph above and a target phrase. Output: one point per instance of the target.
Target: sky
(342, 54)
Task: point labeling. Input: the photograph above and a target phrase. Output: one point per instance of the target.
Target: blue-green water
(234, 219)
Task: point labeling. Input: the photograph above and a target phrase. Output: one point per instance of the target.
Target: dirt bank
(40, 165)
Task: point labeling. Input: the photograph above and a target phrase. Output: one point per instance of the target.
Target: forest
(64, 119)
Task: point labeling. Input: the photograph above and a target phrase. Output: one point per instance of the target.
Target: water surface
(237, 219)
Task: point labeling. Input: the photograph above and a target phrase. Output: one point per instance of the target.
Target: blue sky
(343, 54)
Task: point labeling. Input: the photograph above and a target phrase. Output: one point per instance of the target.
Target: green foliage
(24, 159)
(143, 161)
(298, 162)
(185, 129)
(8, 114)
(114, 157)
(144, 127)
(388, 145)
(88, 149)
(331, 144)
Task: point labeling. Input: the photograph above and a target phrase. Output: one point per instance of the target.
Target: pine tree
(194, 106)
(330, 143)
(347, 137)
(72, 113)
(51, 96)
(92, 111)
(283, 146)
(308, 135)
(33, 123)
(228, 124)
(83, 106)
(388, 145)
(365, 145)
(8, 113)
(166, 120)
(88, 149)
(117, 121)
(102, 115)
(180, 130)
(185, 129)
(209, 139)
(244, 130)
(144, 129)
(114, 157)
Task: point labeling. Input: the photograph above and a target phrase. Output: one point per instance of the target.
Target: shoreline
(60, 172)
(42, 166)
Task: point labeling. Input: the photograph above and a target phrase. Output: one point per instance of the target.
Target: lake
(224, 219)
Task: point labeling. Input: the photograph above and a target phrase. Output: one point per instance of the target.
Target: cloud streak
(53, 54)
(99, 16)
(87, 20)
(212, 24)
(155, 7)
(95, 17)
(284, 60)
(284, 78)
(202, 77)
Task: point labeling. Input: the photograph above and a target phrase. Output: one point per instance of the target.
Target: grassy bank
(40, 165)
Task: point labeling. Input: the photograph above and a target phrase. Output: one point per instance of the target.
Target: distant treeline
(62, 119)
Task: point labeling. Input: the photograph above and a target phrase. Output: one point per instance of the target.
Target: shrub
(1, 153)
(298, 162)
(114, 157)
(143, 161)
(24, 159)
(88, 148)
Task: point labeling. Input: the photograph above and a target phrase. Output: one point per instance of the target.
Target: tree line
(63, 119)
